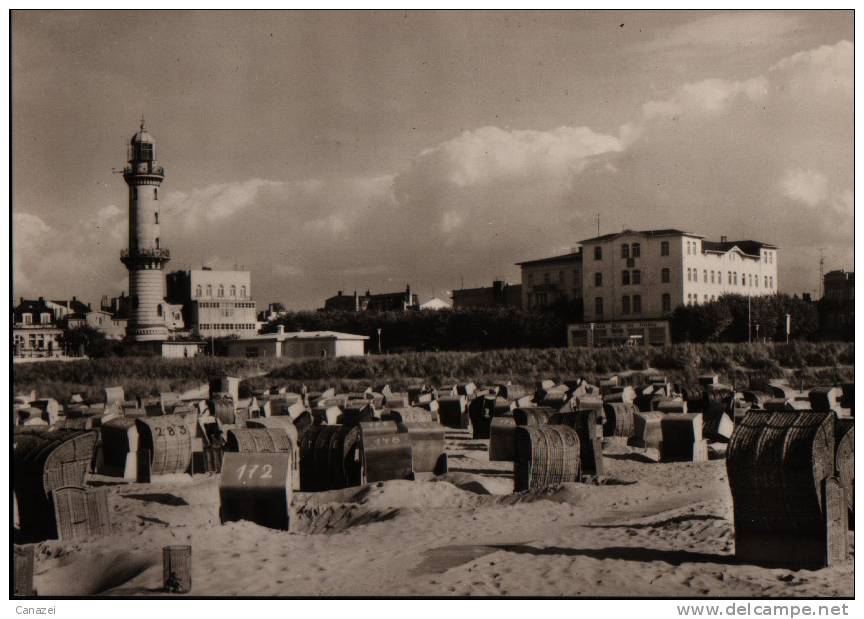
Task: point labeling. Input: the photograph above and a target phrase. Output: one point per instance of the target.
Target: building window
(636, 251)
(667, 302)
(771, 282)
(209, 291)
(233, 291)
(575, 277)
(729, 277)
(45, 318)
(598, 279)
(664, 276)
(625, 304)
(637, 304)
(561, 276)
(743, 280)
(598, 253)
(625, 250)
(221, 293)
(598, 307)
(625, 278)
(712, 276)
(664, 248)
(704, 276)
(637, 277)
(198, 290)
(27, 319)
(545, 278)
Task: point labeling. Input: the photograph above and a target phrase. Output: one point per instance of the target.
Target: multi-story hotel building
(640, 277)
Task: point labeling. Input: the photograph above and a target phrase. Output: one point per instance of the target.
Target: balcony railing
(133, 171)
(145, 252)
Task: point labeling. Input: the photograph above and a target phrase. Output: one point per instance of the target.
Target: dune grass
(804, 363)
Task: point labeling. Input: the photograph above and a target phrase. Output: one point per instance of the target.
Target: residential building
(382, 302)
(112, 326)
(273, 312)
(70, 313)
(499, 294)
(839, 285)
(213, 303)
(550, 280)
(298, 344)
(35, 331)
(837, 306)
(645, 275)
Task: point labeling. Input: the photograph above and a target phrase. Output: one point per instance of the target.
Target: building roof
(302, 335)
(142, 137)
(649, 233)
(573, 255)
(74, 305)
(312, 335)
(32, 305)
(751, 248)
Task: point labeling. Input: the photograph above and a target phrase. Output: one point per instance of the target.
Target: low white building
(299, 344)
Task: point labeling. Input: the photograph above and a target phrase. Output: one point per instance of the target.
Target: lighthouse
(145, 258)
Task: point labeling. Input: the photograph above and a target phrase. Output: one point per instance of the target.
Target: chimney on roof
(722, 239)
(339, 294)
(280, 329)
(41, 299)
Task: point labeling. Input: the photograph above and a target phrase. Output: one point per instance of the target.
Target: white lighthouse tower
(145, 258)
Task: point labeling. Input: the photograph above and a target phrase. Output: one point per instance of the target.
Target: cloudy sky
(329, 151)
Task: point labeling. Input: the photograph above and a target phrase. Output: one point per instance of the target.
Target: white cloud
(807, 186)
(716, 156)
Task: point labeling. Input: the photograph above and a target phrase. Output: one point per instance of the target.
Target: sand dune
(650, 530)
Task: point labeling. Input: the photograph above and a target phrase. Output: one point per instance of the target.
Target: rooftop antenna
(462, 285)
(598, 223)
(821, 271)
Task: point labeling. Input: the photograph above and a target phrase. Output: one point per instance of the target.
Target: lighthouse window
(157, 242)
(159, 310)
(155, 193)
(157, 217)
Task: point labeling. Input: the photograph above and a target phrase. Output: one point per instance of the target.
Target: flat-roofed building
(550, 280)
(298, 344)
(499, 294)
(215, 303)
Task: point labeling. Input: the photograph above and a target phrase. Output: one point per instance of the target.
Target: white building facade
(215, 303)
(645, 275)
